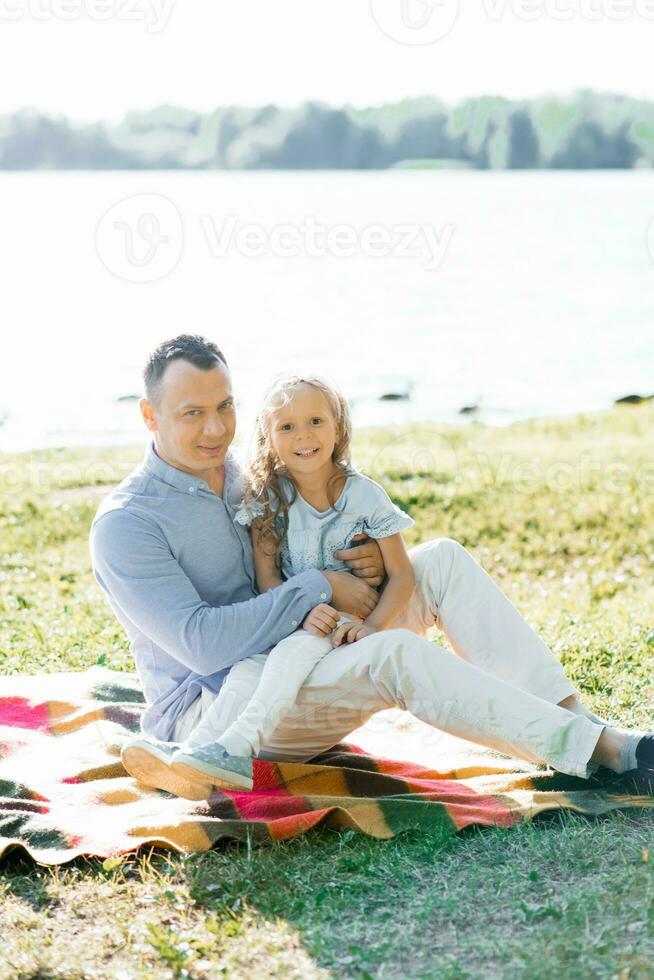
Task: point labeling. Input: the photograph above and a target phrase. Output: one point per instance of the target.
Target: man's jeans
(500, 688)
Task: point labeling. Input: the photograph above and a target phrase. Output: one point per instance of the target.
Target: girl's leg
(267, 693)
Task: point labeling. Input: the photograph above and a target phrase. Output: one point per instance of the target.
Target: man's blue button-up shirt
(179, 574)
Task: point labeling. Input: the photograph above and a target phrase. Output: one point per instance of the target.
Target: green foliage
(584, 130)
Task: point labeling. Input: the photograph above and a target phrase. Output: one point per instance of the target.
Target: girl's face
(303, 432)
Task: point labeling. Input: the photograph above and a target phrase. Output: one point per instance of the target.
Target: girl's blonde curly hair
(265, 471)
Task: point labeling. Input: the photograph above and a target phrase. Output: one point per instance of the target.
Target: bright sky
(94, 59)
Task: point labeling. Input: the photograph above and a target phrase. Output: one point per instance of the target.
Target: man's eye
(193, 411)
(227, 407)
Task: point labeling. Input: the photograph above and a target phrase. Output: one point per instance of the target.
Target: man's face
(194, 419)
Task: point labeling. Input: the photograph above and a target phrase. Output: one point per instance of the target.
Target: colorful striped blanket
(64, 792)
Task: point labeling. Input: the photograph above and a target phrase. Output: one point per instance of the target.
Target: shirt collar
(156, 466)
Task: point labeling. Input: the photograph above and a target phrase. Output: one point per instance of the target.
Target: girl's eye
(316, 421)
(286, 427)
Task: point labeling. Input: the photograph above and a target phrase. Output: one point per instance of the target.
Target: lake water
(526, 293)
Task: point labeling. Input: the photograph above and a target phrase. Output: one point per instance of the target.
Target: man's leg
(454, 593)
(397, 668)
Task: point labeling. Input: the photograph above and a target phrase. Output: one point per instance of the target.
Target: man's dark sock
(645, 752)
(637, 752)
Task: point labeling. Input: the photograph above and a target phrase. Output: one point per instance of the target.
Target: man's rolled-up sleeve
(133, 563)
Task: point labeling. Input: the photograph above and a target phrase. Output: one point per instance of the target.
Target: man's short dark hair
(198, 351)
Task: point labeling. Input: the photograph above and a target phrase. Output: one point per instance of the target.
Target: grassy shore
(561, 513)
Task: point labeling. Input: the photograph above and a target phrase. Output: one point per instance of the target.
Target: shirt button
(323, 595)
(294, 622)
(191, 489)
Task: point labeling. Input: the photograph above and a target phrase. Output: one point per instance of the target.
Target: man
(179, 575)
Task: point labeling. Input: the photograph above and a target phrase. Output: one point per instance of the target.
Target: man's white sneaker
(212, 762)
(148, 760)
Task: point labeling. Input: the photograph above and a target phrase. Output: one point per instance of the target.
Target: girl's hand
(321, 620)
(351, 632)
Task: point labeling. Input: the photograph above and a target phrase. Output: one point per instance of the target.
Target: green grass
(561, 513)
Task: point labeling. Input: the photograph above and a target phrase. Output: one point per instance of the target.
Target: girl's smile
(306, 453)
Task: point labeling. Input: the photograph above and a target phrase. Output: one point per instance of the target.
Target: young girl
(304, 503)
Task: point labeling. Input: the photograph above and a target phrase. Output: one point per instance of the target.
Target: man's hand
(350, 633)
(352, 595)
(365, 560)
(321, 620)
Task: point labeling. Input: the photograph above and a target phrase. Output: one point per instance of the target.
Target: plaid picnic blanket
(65, 793)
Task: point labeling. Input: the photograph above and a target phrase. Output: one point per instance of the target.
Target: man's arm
(351, 595)
(365, 560)
(134, 565)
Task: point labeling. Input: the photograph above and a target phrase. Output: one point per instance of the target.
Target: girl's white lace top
(313, 536)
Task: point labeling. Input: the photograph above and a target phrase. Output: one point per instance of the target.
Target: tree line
(586, 130)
